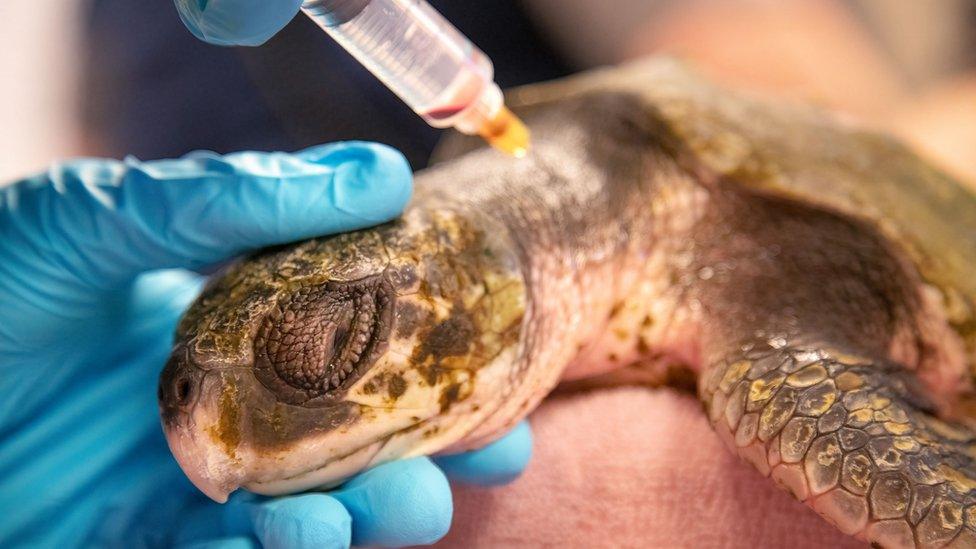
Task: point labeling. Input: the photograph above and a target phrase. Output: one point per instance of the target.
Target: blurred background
(117, 77)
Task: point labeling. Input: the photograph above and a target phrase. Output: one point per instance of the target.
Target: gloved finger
(236, 22)
(500, 462)
(406, 502)
(236, 542)
(315, 521)
(308, 520)
(105, 221)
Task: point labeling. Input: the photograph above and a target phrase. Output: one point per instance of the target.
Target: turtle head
(302, 365)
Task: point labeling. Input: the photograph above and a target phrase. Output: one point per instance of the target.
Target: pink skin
(634, 467)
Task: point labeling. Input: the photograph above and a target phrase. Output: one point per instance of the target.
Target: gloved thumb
(236, 22)
(106, 221)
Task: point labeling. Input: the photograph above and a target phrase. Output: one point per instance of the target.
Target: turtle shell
(810, 155)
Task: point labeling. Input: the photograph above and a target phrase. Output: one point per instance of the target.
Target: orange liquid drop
(506, 133)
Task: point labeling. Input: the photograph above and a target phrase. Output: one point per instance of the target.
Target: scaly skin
(827, 355)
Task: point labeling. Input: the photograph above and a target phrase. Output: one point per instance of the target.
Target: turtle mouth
(319, 340)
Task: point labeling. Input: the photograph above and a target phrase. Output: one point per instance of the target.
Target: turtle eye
(319, 340)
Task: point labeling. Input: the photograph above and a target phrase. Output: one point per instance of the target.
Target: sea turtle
(817, 278)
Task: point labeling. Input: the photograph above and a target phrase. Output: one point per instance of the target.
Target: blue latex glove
(236, 22)
(86, 322)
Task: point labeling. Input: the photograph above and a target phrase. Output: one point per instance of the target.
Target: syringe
(427, 62)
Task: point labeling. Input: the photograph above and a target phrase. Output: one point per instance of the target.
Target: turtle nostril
(179, 387)
(183, 390)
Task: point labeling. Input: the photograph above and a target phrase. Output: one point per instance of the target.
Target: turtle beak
(181, 409)
(212, 473)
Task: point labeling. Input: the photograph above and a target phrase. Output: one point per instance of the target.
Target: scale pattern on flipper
(854, 438)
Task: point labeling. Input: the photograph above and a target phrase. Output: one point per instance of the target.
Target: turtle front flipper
(819, 352)
(852, 437)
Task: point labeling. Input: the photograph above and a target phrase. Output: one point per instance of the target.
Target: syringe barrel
(418, 54)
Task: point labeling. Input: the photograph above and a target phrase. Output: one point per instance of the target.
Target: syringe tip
(506, 133)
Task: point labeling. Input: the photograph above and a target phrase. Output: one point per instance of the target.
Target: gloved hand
(86, 322)
(236, 22)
